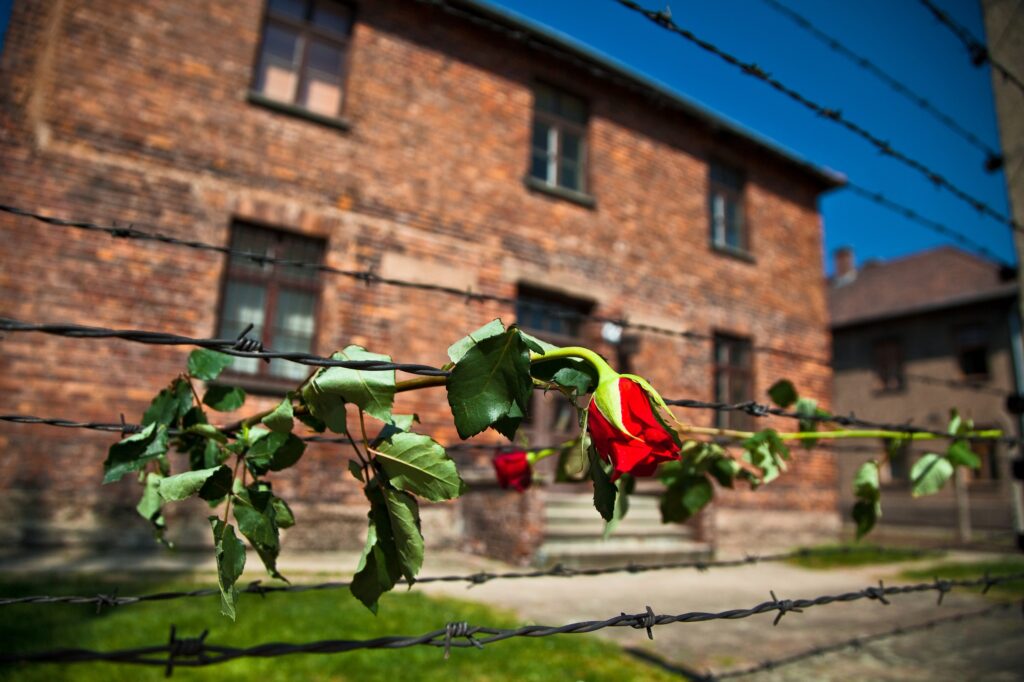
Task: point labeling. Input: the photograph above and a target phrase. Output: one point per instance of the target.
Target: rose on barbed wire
(513, 470)
(626, 430)
(490, 382)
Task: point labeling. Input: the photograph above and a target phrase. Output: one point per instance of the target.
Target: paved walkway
(990, 648)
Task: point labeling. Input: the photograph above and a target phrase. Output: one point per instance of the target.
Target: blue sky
(901, 37)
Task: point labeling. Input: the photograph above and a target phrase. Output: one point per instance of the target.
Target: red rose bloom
(513, 470)
(647, 443)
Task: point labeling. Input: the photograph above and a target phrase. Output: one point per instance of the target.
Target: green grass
(303, 617)
(975, 569)
(850, 554)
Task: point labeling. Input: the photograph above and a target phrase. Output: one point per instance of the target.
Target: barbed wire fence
(196, 652)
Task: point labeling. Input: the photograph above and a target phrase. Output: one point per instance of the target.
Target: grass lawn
(975, 569)
(302, 617)
(850, 554)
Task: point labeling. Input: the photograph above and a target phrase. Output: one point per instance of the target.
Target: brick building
(439, 142)
(914, 337)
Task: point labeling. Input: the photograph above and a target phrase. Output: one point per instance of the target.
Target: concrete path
(991, 648)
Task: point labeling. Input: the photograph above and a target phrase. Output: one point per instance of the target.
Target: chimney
(846, 269)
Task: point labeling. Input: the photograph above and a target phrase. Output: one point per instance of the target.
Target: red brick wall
(136, 112)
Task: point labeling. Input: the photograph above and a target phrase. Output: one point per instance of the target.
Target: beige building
(913, 337)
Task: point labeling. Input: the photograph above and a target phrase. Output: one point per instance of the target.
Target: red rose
(513, 470)
(644, 444)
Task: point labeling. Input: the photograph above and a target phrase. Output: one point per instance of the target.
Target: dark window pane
(295, 9)
(332, 16)
(244, 304)
(255, 241)
(888, 356)
(324, 57)
(733, 224)
(542, 138)
(572, 108)
(730, 178)
(974, 362)
(545, 99)
(570, 176)
(571, 147)
(539, 166)
(277, 76)
(292, 330)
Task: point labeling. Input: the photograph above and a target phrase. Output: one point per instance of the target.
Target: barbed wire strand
(933, 225)
(976, 49)
(371, 277)
(196, 652)
(664, 19)
(242, 346)
(857, 642)
(479, 578)
(994, 160)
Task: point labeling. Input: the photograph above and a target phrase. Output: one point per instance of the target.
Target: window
(888, 361)
(279, 301)
(302, 58)
(725, 195)
(557, 319)
(972, 350)
(733, 379)
(558, 150)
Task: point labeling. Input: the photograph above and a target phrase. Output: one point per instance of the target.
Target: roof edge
(1005, 291)
(596, 62)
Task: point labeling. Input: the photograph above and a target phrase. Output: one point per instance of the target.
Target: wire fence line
(479, 578)
(664, 19)
(856, 642)
(196, 652)
(994, 159)
(979, 54)
(240, 347)
(750, 407)
(370, 277)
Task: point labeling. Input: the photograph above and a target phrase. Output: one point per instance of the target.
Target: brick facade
(139, 113)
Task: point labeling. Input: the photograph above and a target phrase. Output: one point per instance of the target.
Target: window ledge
(733, 252)
(561, 192)
(262, 100)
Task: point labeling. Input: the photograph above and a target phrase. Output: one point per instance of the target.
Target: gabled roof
(930, 280)
(604, 67)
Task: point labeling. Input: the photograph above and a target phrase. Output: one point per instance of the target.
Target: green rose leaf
(376, 574)
(929, 474)
(356, 470)
(960, 454)
(866, 482)
(783, 393)
(374, 392)
(283, 513)
(766, 451)
(724, 469)
(459, 349)
(209, 484)
(417, 464)
(491, 382)
(282, 418)
(399, 423)
(224, 398)
(230, 553)
(605, 491)
(150, 506)
(404, 517)
(317, 424)
(865, 515)
(206, 454)
(957, 423)
(207, 365)
(257, 520)
(326, 408)
(170, 405)
(134, 452)
(274, 452)
(623, 489)
(809, 407)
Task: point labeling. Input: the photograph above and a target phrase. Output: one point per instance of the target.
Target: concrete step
(594, 529)
(614, 552)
